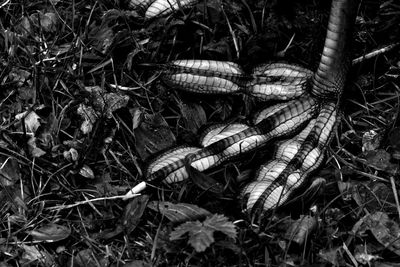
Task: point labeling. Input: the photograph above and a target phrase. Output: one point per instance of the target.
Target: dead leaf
(300, 229)
(136, 117)
(153, 135)
(34, 256)
(19, 76)
(137, 263)
(105, 103)
(394, 137)
(362, 255)
(180, 212)
(380, 160)
(87, 258)
(374, 196)
(133, 212)
(31, 121)
(385, 230)
(194, 116)
(371, 140)
(48, 21)
(86, 172)
(334, 256)
(89, 116)
(101, 37)
(34, 150)
(51, 233)
(204, 181)
(71, 155)
(9, 171)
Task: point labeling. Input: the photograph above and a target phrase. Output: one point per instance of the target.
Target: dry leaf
(335, 256)
(153, 135)
(31, 120)
(106, 103)
(9, 171)
(33, 256)
(194, 116)
(89, 116)
(47, 21)
(86, 172)
(34, 150)
(371, 140)
(300, 229)
(50, 233)
(179, 212)
(380, 160)
(133, 213)
(204, 181)
(385, 230)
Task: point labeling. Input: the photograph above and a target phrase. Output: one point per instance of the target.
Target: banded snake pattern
(309, 113)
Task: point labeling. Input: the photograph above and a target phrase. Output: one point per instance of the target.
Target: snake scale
(308, 113)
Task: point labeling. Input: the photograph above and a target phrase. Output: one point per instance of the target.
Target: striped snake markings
(308, 114)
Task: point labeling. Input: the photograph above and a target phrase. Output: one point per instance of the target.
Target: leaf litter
(81, 117)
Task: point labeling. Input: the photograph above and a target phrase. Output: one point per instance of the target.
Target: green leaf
(201, 235)
(219, 222)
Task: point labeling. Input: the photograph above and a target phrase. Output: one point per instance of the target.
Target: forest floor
(83, 112)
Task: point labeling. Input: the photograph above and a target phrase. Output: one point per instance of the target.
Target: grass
(83, 113)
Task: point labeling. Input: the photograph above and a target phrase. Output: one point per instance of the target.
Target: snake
(304, 119)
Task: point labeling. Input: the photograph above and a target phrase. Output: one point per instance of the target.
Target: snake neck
(329, 79)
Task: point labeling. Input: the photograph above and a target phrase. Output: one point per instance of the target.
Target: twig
(253, 21)
(88, 201)
(5, 3)
(375, 53)
(235, 42)
(353, 260)
(396, 197)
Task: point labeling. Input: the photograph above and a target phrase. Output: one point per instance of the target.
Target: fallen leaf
(137, 263)
(85, 258)
(153, 135)
(34, 150)
(385, 230)
(380, 160)
(300, 229)
(33, 256)
(374, 196)
(133, 212)
(193, 115)
(101, 37)
(31, 120)
(89, 116)
(71, 155)
(86, 172)
(104, 102)
(334, 256)
(47, 21)
(179, 212)
(50, 233)
(204, 181)
(362, 255)
(9, 171)
(19, 76)
(371, 141)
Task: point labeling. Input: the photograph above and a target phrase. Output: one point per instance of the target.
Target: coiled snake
(309, 114)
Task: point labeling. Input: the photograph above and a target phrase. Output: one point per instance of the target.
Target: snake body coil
(312, 110)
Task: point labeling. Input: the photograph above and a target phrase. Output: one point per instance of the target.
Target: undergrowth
(83, 112)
